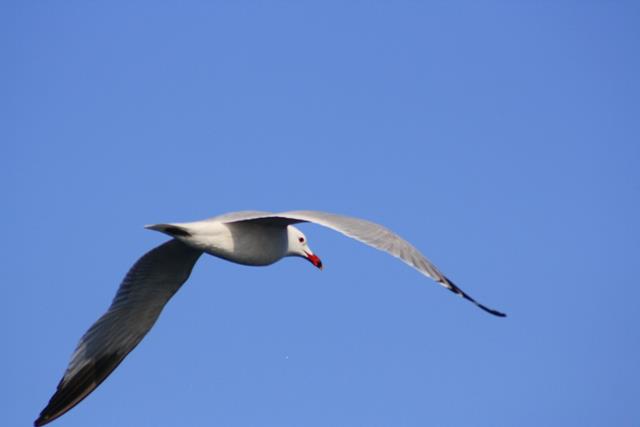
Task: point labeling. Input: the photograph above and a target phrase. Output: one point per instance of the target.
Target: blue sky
(500, 138)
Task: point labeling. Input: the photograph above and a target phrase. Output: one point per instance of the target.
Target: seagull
(254, 238)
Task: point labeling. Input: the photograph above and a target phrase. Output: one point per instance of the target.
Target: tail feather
(170, 229)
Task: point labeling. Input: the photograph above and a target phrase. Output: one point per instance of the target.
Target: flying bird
(249, 237)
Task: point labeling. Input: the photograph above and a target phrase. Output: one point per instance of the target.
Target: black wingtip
(45, 418)
(42, 421)
(492, 311)
(71, 392)
(456, 290)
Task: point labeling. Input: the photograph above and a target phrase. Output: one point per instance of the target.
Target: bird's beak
(314, 260)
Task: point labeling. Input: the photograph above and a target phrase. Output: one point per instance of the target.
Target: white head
(298, 246)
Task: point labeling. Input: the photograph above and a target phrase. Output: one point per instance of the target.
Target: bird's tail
(172, 230)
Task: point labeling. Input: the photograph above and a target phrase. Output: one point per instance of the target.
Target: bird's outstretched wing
(366, 232)
(145, 290)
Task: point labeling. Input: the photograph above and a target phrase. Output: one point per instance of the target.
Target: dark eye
(301, 239)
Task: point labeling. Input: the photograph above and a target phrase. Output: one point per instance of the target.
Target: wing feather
(144, 292)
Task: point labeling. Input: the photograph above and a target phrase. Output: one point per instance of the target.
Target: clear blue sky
(501, 138)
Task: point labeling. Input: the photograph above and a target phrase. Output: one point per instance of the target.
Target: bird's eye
(301, 239)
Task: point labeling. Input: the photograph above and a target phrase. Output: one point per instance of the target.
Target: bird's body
(249, 238)
(246, 243)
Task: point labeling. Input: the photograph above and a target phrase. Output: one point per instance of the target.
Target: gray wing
(371, 234)
(145, 290)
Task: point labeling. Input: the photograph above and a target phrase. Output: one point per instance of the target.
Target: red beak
(315, 260)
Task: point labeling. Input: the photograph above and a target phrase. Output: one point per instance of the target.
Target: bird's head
(298, 246)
